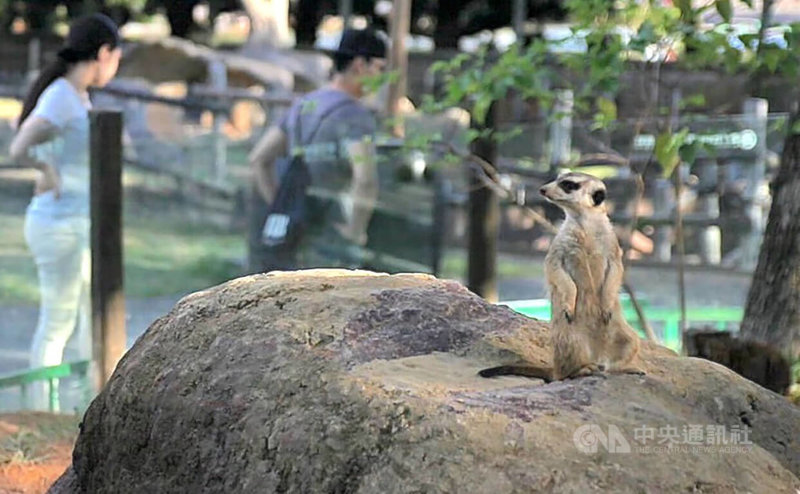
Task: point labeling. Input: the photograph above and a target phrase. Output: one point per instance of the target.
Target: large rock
(332, 381)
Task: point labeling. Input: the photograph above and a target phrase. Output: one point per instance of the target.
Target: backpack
(288, 215)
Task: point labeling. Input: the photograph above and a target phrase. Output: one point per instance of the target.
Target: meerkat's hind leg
(625, 353)
(572, 356)
(588, 370)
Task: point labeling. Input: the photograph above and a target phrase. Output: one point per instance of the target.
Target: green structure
(665, 321)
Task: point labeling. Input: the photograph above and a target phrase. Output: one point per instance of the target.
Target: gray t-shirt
(68, 151)
(345, 119)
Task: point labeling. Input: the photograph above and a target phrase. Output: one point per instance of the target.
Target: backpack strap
(297, 134)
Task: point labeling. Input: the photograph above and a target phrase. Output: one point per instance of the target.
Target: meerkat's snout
(576, 192)
(554, 192)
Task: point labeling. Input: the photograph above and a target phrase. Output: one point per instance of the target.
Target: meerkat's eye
(598, 196)
(569, 186)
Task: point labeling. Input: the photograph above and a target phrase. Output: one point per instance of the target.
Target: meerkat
(584, 272)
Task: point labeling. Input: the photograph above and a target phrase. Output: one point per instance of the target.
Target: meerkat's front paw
(605, 316)
(569, 316)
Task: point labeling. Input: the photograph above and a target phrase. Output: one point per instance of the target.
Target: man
(335, 133)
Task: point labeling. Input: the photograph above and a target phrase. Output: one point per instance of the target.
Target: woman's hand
(34, 131)
(48, 180)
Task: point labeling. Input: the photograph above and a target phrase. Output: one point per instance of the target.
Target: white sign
(745, 140)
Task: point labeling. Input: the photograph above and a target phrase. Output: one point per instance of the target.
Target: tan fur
(584, 272)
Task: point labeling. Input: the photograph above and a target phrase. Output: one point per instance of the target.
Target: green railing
(717, 317)
(50, 374)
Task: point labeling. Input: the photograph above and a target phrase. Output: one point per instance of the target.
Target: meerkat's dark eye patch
(598, 196)
(569, 186)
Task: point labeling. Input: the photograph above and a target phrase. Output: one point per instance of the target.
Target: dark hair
(342, 62)
(86, 35)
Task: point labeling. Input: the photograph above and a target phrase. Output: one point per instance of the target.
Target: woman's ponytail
(46, 77)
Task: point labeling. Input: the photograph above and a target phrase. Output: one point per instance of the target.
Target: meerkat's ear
(598, 196)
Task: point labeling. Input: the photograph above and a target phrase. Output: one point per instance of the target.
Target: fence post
(218, 78)
(108, 296)
(519, 14)
(346, 12)
(34, 59)
(708, 204)
(561, 129)
(663, 201)
(755, 114)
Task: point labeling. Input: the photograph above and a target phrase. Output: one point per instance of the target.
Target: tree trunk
(269, 21)
(398, 61)
(309, 14)
(772, 313)
(484, 222)
(179, 15)
(447, 28)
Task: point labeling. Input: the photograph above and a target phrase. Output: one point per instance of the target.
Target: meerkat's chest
(580, 252)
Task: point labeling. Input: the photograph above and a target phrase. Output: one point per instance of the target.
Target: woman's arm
(363, 189)
(35, 130)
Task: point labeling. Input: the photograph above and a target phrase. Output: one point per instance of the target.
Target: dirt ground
(35, 449)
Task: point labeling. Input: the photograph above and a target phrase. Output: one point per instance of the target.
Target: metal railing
(23, 379)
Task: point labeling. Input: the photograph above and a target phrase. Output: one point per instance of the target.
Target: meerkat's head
(576, 192)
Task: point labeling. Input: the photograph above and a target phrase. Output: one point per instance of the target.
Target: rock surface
(334, 381)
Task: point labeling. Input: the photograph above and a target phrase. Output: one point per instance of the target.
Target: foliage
(615, 33)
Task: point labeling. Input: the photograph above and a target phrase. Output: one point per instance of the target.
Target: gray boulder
(335, 382)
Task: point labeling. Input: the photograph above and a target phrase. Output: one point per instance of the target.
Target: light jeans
(60, 248)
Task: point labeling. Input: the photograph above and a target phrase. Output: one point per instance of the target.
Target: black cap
(360, 43)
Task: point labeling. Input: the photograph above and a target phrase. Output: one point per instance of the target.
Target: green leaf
(749, 40)
(777, 125)
(665, 153)
(796, 127)
(725, 9)
(607, 108)
(694, 101)
(772, 58)
(475, 134)
(685, 7)
(440, 66)
(501, 137)
(710, 149)
(667, 150)
(688, 152)
(481, 108)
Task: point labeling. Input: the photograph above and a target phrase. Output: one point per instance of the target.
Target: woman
(53, 137)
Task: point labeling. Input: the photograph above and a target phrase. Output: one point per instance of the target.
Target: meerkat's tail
(519, 370)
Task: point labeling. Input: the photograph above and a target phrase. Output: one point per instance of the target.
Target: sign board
(730, 137)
